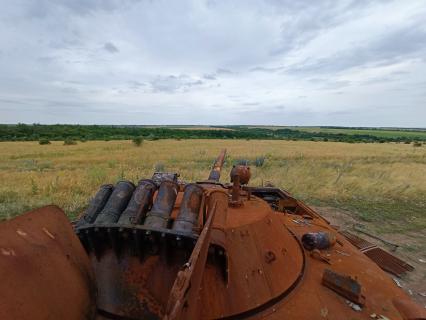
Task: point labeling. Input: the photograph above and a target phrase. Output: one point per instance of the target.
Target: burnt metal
(159, 177)
(217, 166)
(159, 215)
(388, 262)
(382, 258)
(96, 205)
(243, 172)
(139, 204)
(318, 240)
(187, 219)
(343, 285)
(236, 189)
(116, 203)
(358, 242)
(45, 272)
(182, 303)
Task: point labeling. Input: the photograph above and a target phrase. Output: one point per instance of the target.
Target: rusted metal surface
(187, 219)
(116, 203)
(236, 190)
(382, 258)
(358, 242)
(44, 271)
(217, 167)
(388, 262)
(96, 205)
(344, 285)
(139, 204)
(247, 263)
(409, 310)
(243, 172)
(159, 215)
(183, 299)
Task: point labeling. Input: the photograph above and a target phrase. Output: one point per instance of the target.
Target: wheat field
(384, 184)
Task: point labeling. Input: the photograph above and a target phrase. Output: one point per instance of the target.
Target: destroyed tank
(166, 249)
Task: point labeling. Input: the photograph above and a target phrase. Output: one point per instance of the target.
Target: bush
(242, 162)
(152, 137)
(159, 167)
(259, 161)
(137, 141)
(43, 141)
(417, 144)
(69, 142)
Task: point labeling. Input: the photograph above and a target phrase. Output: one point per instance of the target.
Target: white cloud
(214, 62)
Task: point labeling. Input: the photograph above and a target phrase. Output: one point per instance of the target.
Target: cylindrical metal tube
(139, 204)
(159, 215)
(96, 205)
(187, 219)
(117, 202)
(217, 166)
(236, 188)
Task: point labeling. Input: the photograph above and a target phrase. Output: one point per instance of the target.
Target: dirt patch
(412, 249)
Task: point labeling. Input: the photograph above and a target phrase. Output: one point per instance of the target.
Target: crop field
(384, 184)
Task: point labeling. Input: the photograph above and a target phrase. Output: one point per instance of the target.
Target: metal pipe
(236, 189)
(159, 215)
(139, 204)
(217, 166)
(187, 219)
(96, 205)
(117, 202)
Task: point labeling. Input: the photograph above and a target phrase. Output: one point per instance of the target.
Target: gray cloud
(391, 48)
(172, 83)
(110, 47)
(290, 62)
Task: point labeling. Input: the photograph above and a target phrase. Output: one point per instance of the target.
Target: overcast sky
(292, 62)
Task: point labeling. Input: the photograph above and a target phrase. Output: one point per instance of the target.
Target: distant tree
(69, 142)
(43, 141)
(137, 141)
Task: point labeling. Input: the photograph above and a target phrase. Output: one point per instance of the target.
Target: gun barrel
(217, 166)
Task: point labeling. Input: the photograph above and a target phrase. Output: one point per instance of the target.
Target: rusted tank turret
(167, 249)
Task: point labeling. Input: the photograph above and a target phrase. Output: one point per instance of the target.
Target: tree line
(61, 132)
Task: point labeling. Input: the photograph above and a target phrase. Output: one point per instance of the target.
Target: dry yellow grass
(377, 181)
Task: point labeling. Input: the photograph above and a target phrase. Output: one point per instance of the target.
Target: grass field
(381, 133)
(382, 184)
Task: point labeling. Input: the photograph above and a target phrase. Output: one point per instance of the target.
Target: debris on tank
(318, 240)
(354, 306)
(398, 283)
